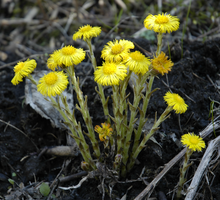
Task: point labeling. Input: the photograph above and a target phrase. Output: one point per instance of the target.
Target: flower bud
(85, 166)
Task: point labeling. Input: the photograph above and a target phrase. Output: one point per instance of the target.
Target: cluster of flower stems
(126, 151)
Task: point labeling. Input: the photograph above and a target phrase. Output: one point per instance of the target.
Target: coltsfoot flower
(104, 131)
(51, 63)
(117, 51)
(138, 63)
(161, 64)
(193, 142)
(110, 73)
(161, 23)
(176, 101)
(87, 32)
(52, 84)
(23, 69)
(68, 56)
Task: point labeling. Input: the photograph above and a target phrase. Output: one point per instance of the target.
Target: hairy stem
(83, 108)
(100, 87)
(155, 127)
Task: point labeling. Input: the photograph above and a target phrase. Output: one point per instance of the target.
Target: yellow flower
(68, 56)
(104, 131)
(138, 63)
(161, 23)
(23, 69)
(193, 142)
(87, 32)
(52, 84)
(110, 73)
(161, 64)
(176, 101)
(117, 51)
(51, 63)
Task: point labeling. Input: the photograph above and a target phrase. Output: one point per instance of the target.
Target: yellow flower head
(193, 142)
(51, 63)
(52, 84)
(161, 64)
(110, 73)
(161, 23)
(87, 32)
(104, 131)
(176, 101)
(138, 63)
(23, 69)
(117, 51)
(68, 56)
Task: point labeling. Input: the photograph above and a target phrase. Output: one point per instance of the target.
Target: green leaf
(14, 174)
(44, 189)
(11, 181)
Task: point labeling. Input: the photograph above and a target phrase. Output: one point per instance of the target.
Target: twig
(20, 132)
(207, 33)
(213, 83)
(15, 62)
(55, 182)
(76, 186)
(205, 162)
(73, 176)
(9, 22)
(116, 26)
(69, 22)
(189, 98)
(62, 30)
(149, 189)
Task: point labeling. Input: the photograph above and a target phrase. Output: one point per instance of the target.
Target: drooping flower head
(110, 73)
(138, 63)
(161, 64)
(23, 69)
(51, 63)
(52, 84)
(68, 56)
(161, 23)
(87, 32)
(117, 51)
(176, 101)
(104, 131)
(193, 142)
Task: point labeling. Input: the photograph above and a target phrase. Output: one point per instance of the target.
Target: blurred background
(29, 27)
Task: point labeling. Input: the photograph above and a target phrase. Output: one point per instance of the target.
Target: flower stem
(155, 127)
(133, 110)
(183, 172)
(123, 104)
(142, 119)
(159, 43)
(75, 130)
(100, 87)
(30, 77)
(118, 117)
(83, 108)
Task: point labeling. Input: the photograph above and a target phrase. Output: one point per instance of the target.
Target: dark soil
(193, 77)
